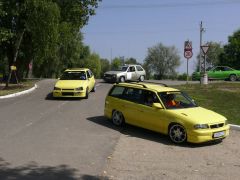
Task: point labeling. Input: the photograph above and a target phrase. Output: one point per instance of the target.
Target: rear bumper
(199, 136)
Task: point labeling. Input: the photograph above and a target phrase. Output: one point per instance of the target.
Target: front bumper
(110, 78)
(204, 135)
(58, 93)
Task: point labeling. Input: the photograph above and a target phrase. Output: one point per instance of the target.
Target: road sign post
(188, 53)
(204, 78)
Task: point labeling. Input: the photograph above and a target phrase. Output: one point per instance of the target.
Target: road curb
(234, 127)
(19, 93)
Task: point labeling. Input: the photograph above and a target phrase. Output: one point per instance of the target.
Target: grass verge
(14, 88)
(223, 98)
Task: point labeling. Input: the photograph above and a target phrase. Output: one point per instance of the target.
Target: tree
(105, 66)
(212, 58)
(231, 55)
(162, 60)
(131, 61)
(116, 63)
(45, 32)
(93, 63)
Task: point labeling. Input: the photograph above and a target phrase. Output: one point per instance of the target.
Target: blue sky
(129, 27)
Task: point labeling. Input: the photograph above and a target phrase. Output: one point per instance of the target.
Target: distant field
(223, 98)
(14, 88)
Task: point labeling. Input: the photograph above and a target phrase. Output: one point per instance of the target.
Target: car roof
(77, 69)
(149, 86)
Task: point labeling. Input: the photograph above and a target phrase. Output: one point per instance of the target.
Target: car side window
(139, 68)
(132, 69)
(150, 98)
(89, 74)
(133, 95)
(117, 91)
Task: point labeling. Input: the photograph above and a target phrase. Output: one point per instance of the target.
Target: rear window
(139, 68)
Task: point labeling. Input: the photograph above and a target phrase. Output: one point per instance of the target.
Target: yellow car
(76, 82)
(165, 110)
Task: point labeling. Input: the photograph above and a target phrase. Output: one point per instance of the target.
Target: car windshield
(176, 100)
(73, 75)
(122, 68)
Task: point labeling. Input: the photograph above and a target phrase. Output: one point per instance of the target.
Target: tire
(94, 88)
(141, 78)
(232, 77)
(122, 79)
(117, 118)
(86, 96)
(177, 133)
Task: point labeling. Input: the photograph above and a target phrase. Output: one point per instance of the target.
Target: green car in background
(219, 73)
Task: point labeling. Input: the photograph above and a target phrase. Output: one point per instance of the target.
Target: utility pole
(200, 53)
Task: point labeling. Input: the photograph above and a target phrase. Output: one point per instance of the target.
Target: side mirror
(157, 106)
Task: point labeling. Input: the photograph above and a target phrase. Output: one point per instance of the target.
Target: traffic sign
(188, 45)
(205, 49)
(188, 54)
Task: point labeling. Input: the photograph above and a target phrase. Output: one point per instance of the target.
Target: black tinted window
(134, 95)
(73, 75)
(116, 91)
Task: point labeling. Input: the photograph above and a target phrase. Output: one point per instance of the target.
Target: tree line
(47, 35)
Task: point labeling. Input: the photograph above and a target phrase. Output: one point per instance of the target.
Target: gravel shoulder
(141, 154)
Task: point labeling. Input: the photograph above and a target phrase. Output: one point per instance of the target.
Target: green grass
(14, 88)
(223, 98)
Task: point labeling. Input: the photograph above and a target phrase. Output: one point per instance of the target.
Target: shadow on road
(50, 97)
(34, 172)
(138, 132)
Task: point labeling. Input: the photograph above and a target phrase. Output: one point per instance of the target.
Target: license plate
(218, 134)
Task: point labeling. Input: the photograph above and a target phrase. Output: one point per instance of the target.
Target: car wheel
(232, 77)
(86, 96)
(94, 88)
(177, 133)
(117, 118)
(122, 79)
(141, 78)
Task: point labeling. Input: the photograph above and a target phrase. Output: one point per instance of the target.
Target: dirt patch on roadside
(155, 157)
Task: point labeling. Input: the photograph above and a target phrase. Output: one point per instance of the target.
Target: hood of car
(199, 115)
(71, 84)
(114, 72)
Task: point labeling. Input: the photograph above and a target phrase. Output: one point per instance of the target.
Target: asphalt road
(46, 139)
(54, 139)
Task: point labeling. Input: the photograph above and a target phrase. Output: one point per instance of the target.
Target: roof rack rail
(137, 82)
(165, 85)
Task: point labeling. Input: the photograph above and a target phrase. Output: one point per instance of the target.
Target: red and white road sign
(188, 54)
(188, 45)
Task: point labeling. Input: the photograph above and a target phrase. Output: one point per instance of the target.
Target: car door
(149, 117)
(131, 73)
(216, 73)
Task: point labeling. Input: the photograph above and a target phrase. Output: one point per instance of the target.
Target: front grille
(108, 75)
(214, 126)
(68, 89)
(67, 93)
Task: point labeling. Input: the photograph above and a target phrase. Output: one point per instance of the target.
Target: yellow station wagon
(76, 82)
(165, 110)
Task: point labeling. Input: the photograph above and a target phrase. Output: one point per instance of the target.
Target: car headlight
(57, 88)
(79, 89)
(201, 126)
(114, 75)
